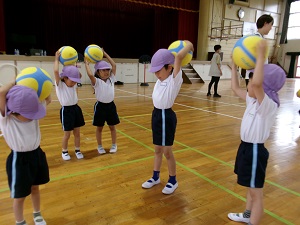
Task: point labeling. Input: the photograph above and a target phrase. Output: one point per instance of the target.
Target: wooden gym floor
(106, 189)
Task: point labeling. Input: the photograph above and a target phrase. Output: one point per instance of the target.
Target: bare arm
(111, 61)
(219, 64)
(56, 67)
(3, 91)
(242, 93)
(89, 72)
(181, 54)
(258, 76)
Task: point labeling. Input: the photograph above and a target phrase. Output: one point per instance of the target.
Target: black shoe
(208, 94)
(217, 96)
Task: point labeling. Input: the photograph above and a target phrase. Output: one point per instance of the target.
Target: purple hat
(24, 100)
(102, 65)
(160, 58)
(71, 72)
(274, 79)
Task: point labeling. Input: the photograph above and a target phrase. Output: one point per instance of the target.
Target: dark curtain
(124, 28)
(2, 27)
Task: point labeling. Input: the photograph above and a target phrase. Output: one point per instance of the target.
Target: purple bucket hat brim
(71, 72)
(25, 101)
(160, 58)
(102, 65)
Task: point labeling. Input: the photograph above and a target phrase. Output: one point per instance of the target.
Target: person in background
(264, 24)
(215, 71)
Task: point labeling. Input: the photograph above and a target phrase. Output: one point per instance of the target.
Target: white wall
(283, 59)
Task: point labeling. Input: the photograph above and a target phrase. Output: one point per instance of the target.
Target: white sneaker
(150, 183)
(169, 188)
(238, 217)
(79, 155)
(113, 149)
(101, 151)
(65, 156)
(39, 220)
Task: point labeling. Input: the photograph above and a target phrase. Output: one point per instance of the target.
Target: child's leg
(172, 182)
(35, 198)
(18, 206)
(113, 133)
(158, 157)
(257, 209)
(101, 150)
(170, 160)
(99, 135)
(76, 133)
(156, 169)
(66, 137)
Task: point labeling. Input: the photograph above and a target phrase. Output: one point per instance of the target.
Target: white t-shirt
(67, 96)
(258, 119)
(214, 69)
(105, 90)
(20, 136)
(165, 92)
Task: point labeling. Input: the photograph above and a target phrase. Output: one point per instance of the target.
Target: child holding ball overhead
(103, 81)
(26, 165)
(71, 115)
(164, 119)
(262, 103)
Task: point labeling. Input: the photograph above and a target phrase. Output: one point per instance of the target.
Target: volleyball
(37, 79)
(68, 55)
(93, 53)
(244, 52)
(176, 46)
(298, 93)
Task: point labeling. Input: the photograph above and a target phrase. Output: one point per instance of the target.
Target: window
(294, 26)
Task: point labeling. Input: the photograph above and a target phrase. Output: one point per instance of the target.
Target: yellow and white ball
(93, 53)
(176, 46)
(244, 52)
(37, 79)
(68, 55)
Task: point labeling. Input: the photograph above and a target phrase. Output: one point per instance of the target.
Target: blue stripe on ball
(178, 48)
(246, 51)
(39, 76)
(91, 57)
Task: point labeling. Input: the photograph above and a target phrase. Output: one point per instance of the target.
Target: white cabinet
(127, 72)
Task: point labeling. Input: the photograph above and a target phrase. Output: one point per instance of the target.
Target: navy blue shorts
(105, 112)
(251, 164)
(71, 117)
(164, 123)
(25, 169)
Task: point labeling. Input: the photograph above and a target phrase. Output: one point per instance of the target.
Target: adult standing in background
(264, 24)
(215, 71)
